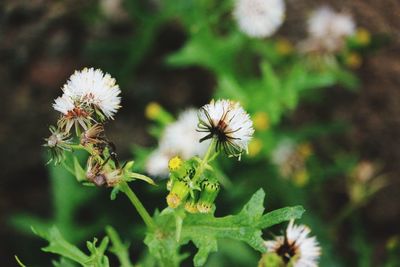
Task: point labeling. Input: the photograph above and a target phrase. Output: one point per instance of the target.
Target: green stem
(148, 220)
(205, 160)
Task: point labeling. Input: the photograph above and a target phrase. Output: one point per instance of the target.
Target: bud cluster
(195, 195)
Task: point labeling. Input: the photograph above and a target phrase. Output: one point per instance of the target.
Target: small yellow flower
(284, 47)
(353, 60)
(261, 121)
(301, 178)
(152, 110)
(255, 147)
(363, 37)
(175, 163)
(305, 150)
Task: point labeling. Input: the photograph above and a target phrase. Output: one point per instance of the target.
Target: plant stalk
(148, 220)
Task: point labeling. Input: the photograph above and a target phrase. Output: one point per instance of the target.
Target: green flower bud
(179, 191)
(209, 192)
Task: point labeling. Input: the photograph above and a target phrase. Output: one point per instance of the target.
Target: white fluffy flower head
(259, 18)
(328, 29)
(94, 88)
(87, 93)
(228, 123)
(295, 245)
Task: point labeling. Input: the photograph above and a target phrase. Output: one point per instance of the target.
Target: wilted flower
(259, 18)
(327, 31)
(228, 123)
(86, 93)
(57, 142)
(296, 247)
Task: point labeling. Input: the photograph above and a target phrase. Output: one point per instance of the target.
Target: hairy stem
(148, 220)
(205, 160)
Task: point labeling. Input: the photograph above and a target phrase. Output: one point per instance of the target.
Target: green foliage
(68, 196)
(204, 230)
(58, 245)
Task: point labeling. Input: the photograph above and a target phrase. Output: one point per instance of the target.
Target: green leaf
(119, 249)
(204, 230)
(58, 245)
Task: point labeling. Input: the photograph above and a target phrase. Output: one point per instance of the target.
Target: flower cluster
(193, 182)
(196, 195)
(89, 99)
(295, 248)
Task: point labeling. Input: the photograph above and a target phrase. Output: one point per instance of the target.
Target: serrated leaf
(58, 245)
(204, 230)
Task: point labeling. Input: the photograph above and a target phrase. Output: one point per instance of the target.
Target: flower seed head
(259, 18)
(228, 123)
(296, 247)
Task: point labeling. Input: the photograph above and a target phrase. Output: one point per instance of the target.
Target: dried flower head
(228, 123)
(57, 142)
(95, 137)
(259, 18)
(296, 247)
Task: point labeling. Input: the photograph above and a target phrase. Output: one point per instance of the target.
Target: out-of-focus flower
(255, 147)
(182, 136)
(296, 247)
(259, 18)
(327, 31)
(363, 37)
(261, 121)
(284, 47)
(179, 138)
(113, 10)
(353, 60)
(228, 123)
(157, 163)
(364, 181)
(290, 158)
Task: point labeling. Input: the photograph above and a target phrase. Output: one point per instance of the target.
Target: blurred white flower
(180, 138)
(228, 123)
(327, 30)
(282, 153)
(296, 247)
(259, 18)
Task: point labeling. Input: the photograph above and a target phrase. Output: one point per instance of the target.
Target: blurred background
(349, 127)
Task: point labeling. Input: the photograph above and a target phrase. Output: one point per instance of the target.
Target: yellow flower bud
(152, 110)
(255, 147)
(261, 121)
